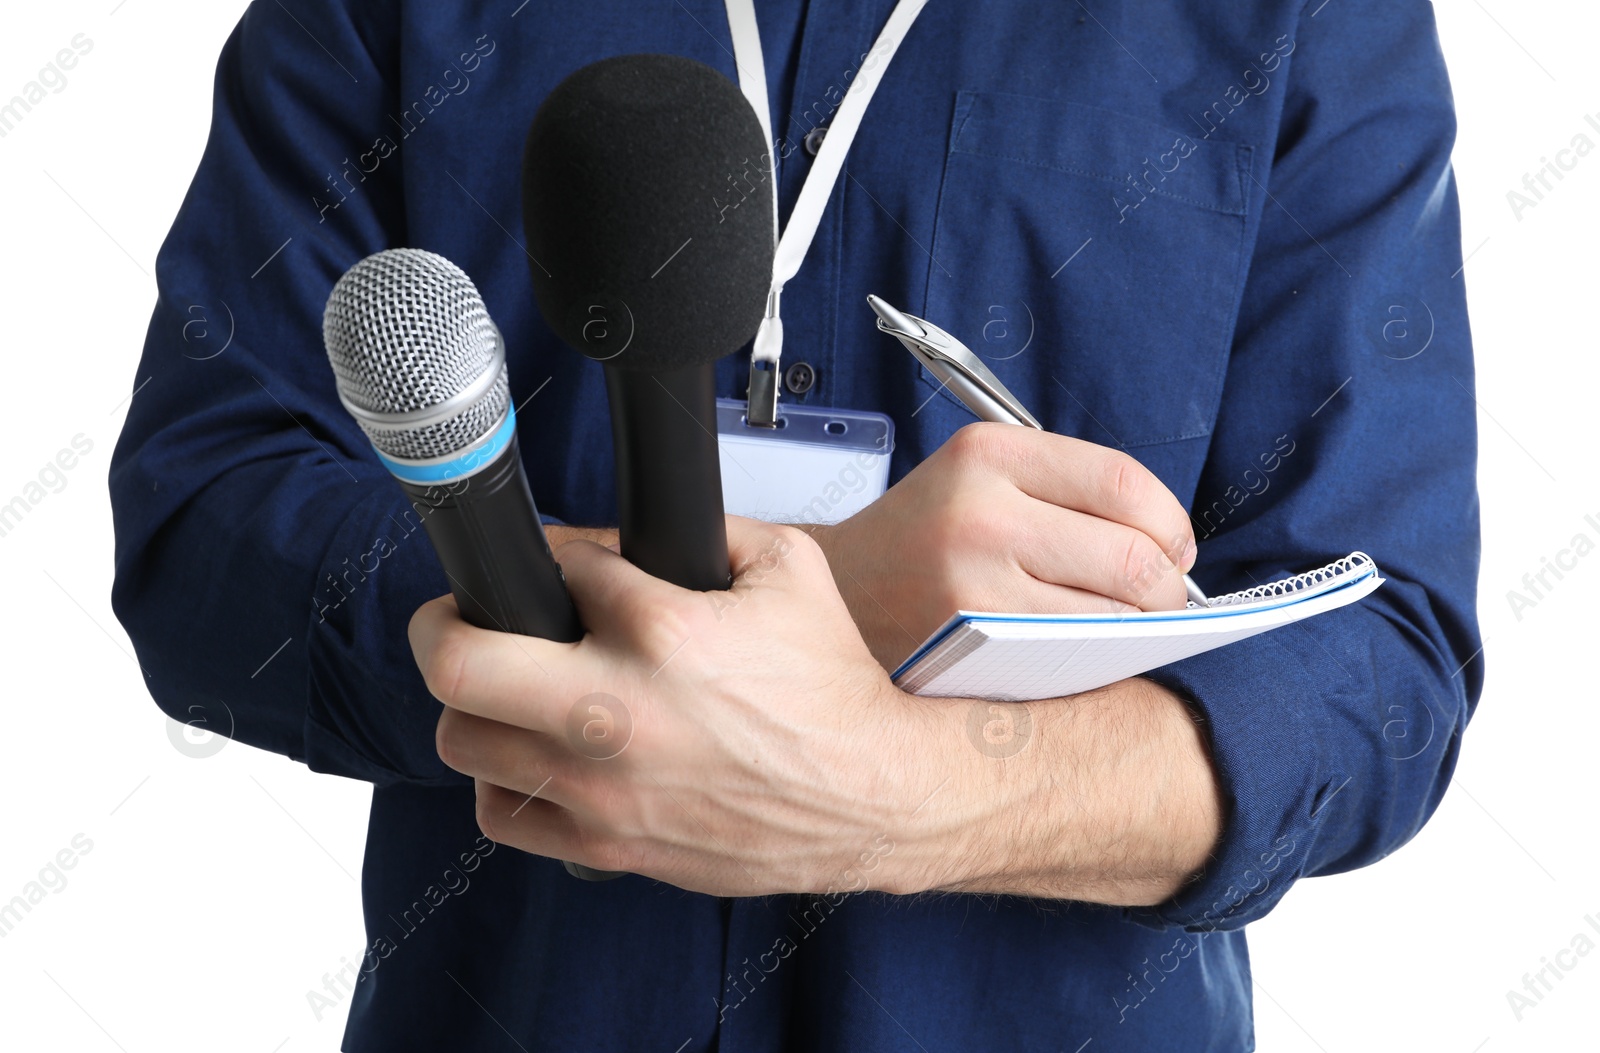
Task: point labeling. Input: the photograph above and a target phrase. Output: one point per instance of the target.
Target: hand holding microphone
(623, 164)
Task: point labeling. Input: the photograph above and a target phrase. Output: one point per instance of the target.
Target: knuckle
(1142, 566)
(807, 557)
(447, 741)
(1130, 566)
(975, 443)
(488, 818)
(789, 538)
(444, 668)
(660, 629)
(1181, 531)
(790, 543)
(1124, 481)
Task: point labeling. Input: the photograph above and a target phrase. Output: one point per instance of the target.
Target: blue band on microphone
(457, 467)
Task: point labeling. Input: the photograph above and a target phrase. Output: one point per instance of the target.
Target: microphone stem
(669, 477)
(492, 546)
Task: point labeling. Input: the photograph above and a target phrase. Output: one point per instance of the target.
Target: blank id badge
(819, 465)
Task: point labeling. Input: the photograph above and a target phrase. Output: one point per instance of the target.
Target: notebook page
(1021, 657)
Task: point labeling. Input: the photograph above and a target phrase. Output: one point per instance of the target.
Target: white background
(219, 890)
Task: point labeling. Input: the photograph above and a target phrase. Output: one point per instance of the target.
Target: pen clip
(933, 347)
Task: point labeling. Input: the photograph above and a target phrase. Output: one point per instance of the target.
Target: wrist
(1107, 797)
(560, 533)
(946, 827)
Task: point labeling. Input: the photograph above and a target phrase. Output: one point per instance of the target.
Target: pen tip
(892, 317)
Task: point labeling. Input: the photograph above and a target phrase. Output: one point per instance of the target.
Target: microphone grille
(406, 330)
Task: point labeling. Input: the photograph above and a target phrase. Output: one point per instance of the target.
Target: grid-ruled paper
(1018, 657)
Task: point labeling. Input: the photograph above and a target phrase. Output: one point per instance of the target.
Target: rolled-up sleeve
(1348, 422)
(265, 561)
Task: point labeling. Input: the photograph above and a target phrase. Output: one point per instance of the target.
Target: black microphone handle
(669, 478)
(491, 543)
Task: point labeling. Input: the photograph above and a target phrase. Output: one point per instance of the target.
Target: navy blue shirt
(1221, 237)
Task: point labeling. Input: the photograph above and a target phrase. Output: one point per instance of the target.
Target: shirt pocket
(1094, 260)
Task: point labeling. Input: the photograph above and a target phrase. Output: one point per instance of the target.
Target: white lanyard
(801, 230)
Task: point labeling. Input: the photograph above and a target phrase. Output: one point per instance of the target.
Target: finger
(601, 579)
(623, 606)
(787, 557)
(545, 829)
(518, 759)
(1069, 548)
(1027, 594)
(519, 680)
(509, 817)
(755, 547)
(652, 619)
(1083, 476)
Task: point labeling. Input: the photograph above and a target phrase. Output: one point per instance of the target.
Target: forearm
(1111, 798)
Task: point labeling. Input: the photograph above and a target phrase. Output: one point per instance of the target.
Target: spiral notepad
(1017, 657)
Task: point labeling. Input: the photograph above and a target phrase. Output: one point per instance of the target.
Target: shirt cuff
(1263, 705)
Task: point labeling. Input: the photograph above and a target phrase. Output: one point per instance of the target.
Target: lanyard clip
(762, 396)
(762, 411)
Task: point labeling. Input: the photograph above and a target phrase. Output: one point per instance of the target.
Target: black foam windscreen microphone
(653, 261)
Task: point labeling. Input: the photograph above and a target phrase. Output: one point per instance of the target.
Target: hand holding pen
(972, 382)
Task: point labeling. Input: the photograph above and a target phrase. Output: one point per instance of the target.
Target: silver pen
(972, 382)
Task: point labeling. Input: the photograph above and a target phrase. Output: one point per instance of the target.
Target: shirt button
(800, 378)
(814, 139)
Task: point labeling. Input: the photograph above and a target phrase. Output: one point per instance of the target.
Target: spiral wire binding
(1299, 583)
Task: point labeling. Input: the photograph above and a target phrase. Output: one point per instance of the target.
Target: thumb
(607, 590)
(757, 547)
(775, 552)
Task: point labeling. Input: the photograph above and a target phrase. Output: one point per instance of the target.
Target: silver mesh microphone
(422, 369)
(416, 358)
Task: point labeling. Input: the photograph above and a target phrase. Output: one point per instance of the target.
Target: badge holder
(817, 465)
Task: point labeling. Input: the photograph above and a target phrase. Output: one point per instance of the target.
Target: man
(1214, 249)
